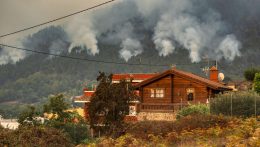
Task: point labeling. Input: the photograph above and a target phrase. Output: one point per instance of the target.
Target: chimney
(213, 74)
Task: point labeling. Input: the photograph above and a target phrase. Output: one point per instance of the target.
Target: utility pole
(231, 106)
(255, 104)
(209, 101)
(206, 69)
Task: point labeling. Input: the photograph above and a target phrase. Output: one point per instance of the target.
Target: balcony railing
(155, 107)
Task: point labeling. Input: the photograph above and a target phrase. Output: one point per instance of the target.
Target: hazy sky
(198, 28)
(18, 14)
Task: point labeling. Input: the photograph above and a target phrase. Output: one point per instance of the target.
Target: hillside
(36, 76)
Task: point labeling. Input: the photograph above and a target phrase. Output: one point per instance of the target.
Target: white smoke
(197, 35)
(57, 47)
(10, 55)
(229, 47)
(177, 22)
(124, 34)
(113, 21)
(28, 13)
(130, 47)
(189, 24)
(82, 34)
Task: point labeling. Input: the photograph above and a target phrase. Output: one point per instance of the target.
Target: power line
(88, 60)
(70, 57)
(75, 58)
(50, 21)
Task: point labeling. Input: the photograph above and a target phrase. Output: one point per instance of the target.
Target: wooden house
(134, 77)
(167, 91)
(173, 89)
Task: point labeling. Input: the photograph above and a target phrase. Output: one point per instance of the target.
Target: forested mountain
(38, 76)
(35, 77)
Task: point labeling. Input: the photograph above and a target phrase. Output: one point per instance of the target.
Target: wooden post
(181, 103)
(92, 132)
(255, 104)
(141, 93)
(231, 107)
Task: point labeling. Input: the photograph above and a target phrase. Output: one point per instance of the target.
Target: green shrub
(257, 83)
(193, 109)
(27, 116)
(142, 128)
(7, 137)
(200, 121)
(249, 74)
(34, 136)
(69, 122)
(243, 104)
(76, 131)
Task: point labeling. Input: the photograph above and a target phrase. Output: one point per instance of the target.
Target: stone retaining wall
(168, 116)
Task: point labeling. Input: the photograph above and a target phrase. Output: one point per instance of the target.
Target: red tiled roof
(209, 83)
(135, 76)
(88, 93)
(84, 98)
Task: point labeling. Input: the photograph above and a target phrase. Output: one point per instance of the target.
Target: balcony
(155, 107)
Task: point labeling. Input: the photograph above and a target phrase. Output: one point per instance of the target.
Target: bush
(69, 122)
(243, 104)
(76, 131)
(7, 137)
(200, 121)
(27, 116)
(257, 83)
(193, 109)
(192, 130)
(143, 128)
(130, 140)
(34, 136)
(249, 74)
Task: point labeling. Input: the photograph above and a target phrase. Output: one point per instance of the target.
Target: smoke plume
(229, 48)
(17, 14)
(82, 33)
(178, 23)
(193, 25)
(130, 47)
(10, 55)
(196, 32)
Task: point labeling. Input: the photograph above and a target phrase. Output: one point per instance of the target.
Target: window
(157, 93)
(132, 110)
(190, 94)
(152, 92)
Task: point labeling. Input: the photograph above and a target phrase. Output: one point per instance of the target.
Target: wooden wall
(180, 85)
(161, 83)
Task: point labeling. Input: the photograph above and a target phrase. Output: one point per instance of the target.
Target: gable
(185, 75)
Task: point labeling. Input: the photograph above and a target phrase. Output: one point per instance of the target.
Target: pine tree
(109, 104)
